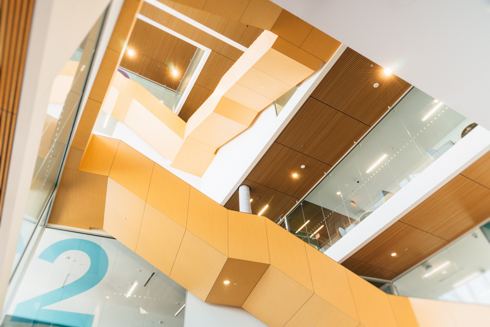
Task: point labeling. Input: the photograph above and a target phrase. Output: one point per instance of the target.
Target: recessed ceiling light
(132, 289)
(161, 101)
(436, 101)
(317, 230)
(303, 166)
(376, 163)
(130, 52)
(430, 113)
(393, 254)
(226, 282)
(262, 211)
(338, 193)
(302, 226)
(175, 72)
(251, 200)
(387, 71)
(295, 175)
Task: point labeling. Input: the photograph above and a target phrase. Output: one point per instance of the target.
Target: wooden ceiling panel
(195, 99)
(279, 203)
(320, 45)
(366, 270)
(261, 13)
(214, 69)
(276, 168)
(157, 53)
(454, 209)
(322, 132)
(348, 87)
(232, 9)
(291, 28)
(480, 171)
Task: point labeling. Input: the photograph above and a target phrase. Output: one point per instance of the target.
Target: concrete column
(244, 198)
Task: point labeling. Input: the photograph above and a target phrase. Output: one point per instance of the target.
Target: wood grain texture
(320, 45)
(243, 275)
(132, 170)
(208, 221)
(99, 155)
(318, 312)
(276, 298)
(367, 270)
(261, 13)
(330, 282)
(232, 9)
(123, 214)
(288, 254)
(291, 28)
(348, 87)
(169, 194)
(197, 266)
(196, 98)
(403, 311)
(159, 239)
(373, 307)
(479, 171)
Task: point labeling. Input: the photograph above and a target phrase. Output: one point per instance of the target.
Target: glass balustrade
(415, 133)
(281, 102)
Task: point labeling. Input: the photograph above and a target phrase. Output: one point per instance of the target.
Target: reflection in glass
(415, 133)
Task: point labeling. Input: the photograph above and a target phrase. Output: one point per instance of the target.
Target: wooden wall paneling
(330, 282)
(197, 265)
(208, 220)
(169, 194)
(291, 28)
(373, 307)
(232, 9)
(243, 275)
(297, 53)
(196, 98)
(320, 45)
(318, 312)
(277, 166)
(288, 254)
(216, 66)
(348, 87)
(159, 239)
(454, 209)
(479, 171)
(99, 155)
(321, 132)
(80, 200)
(123, 214)
(261, 13)
(276, 298)
(403, 311)
(74, 158)
(365, 269)
(247, 237)
(132, 170)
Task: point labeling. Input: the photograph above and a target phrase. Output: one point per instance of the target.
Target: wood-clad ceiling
(157, 54)
(337, 114)
(456, 208)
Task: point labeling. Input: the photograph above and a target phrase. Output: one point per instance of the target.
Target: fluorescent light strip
(377, 163)
(192, 22)
(467, 279)
(262, 211)
(317, 230)
(302, 226)
(132, 289)
(436, 269)
(432, 111)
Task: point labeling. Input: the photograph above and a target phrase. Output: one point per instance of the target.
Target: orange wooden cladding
(15, 22)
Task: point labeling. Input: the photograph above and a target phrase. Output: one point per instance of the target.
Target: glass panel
(416, 132)
(281, 102)
(90, 280)
(64, 101)
(459, 273)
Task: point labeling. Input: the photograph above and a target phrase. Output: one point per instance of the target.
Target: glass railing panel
(415, 133)
(281, 102)
(191, 71)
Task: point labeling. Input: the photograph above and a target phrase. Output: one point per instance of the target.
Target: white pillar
(244, 198)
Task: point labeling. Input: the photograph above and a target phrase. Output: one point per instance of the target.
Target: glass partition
(459, 273)
(281, 102)
(415, 133)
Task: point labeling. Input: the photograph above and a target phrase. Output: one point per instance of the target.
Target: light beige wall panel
(169, 194)
(208, 220)
(132, 170)
(430, 313)
(242, 276)
(144, 97)
(247, 236)
(200, 145)
(170, 145)
(403, 311)
(247, 97)
(154, 131)
(197, 265)
(159, 239)
(264, 84)
(466, 314)
(189, 166)
(276, 298)
(235, 111)
(296, 53)
(124, 99)
(99, 155)
(195, 154)
(373, 307)
(318, 312)
(330, 282)
(137, 117)
(123, 214)
(288, 254)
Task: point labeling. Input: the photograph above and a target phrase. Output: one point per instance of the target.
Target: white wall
(440, 46)
(58, 27)
(202, 314)
(453, 162)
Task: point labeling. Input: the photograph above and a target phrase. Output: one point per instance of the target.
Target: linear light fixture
(262, 211)
(433, 271)
(430, 113)
(466, 279)
(198, 25)
(317, 230)
(132, 289)
(302, 227)
(377, 163)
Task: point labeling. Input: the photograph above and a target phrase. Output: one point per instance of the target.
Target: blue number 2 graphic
(32, 310)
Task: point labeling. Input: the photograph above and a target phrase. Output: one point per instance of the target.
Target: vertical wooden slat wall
(15, 23)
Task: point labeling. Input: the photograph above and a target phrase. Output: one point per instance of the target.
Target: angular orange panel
(99, 155)
(247, 237)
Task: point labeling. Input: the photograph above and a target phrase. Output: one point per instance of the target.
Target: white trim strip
(198, 25)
